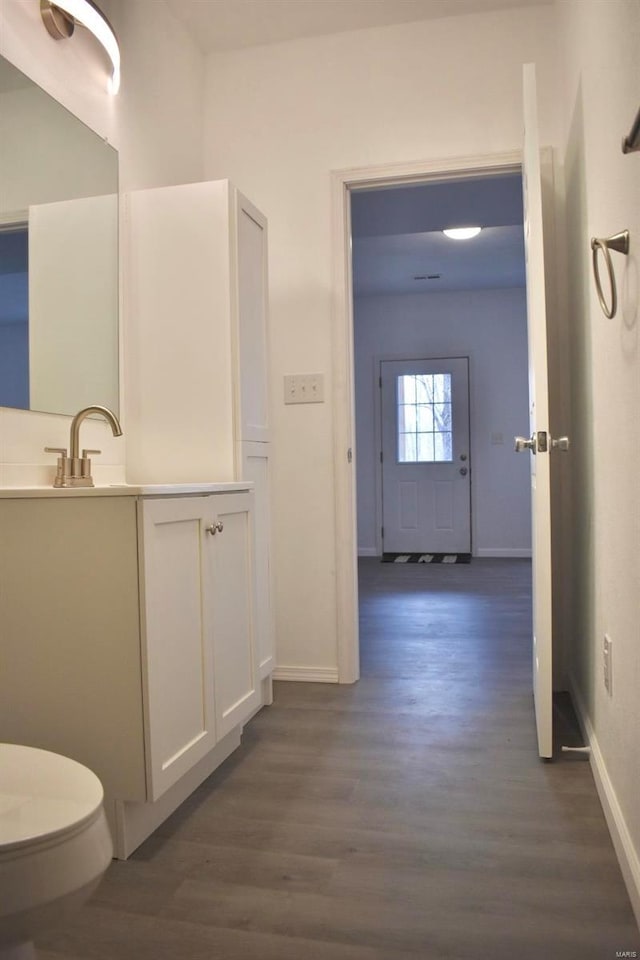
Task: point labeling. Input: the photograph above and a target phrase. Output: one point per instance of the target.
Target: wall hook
(620, 243)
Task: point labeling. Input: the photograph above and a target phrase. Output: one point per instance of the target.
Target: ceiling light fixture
(60, 19)
(461, 233)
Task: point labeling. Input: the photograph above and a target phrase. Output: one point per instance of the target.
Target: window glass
(425, 433)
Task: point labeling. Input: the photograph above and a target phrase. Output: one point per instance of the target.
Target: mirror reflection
(58, 255)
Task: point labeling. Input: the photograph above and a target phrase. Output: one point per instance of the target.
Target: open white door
(540, 443)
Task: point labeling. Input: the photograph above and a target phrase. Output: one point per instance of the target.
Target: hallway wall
(601, 95)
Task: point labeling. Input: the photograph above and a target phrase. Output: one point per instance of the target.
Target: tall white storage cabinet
(197, 352)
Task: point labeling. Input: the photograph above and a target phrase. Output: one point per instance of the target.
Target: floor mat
(426, 558)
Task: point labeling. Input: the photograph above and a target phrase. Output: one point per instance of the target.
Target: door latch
(539, 443)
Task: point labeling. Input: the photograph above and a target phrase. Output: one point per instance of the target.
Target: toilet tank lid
(43, 794)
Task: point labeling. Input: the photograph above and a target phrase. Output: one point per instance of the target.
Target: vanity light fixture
(60, 19)
(461, 233)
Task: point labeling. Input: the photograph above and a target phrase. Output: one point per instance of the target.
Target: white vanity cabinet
(129, 642)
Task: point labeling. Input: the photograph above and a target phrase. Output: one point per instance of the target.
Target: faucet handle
(85, 465)
(61, 450)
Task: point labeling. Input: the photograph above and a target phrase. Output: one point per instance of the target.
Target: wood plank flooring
(404, 817)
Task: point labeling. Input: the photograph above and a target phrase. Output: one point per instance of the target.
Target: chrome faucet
(75, 470)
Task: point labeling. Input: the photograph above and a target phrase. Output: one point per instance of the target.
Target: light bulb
(461, 233)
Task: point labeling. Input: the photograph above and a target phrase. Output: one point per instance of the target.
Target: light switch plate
(304, 388)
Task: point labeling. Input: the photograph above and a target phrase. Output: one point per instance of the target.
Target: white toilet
(55, 843)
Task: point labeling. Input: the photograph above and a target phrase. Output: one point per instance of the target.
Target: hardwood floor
(404, 817)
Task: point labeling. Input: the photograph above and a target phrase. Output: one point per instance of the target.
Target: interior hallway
(404, 817)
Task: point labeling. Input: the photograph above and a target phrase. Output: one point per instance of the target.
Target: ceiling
(231, 24)
(398, 244)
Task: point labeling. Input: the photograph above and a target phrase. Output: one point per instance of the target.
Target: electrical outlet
(304, 388)
(607, 651)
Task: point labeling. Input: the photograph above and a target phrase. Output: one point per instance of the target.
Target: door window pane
(407, 447)
(407, 417)
(425, 448)
(424, 418)
(443, 447)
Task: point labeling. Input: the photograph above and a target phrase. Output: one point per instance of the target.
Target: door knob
(216, 527)
(562, 443)
(463, 471)
(521, 443)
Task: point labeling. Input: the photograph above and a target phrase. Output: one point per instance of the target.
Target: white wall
(489, 327)
(600, 96)
(156, 124)
(279, 119)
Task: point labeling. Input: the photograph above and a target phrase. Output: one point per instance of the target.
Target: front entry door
(426, 474)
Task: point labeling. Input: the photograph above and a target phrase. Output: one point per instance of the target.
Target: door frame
(343, 182)
(377, 427)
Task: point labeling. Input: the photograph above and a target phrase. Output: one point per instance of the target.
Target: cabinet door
(252, 391)
(255, 461)
(177, 656)
(180, 384)
(237, 690)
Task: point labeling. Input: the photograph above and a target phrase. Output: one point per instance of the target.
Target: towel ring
(619, 242)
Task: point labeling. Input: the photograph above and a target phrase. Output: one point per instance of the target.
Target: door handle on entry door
(463, 471)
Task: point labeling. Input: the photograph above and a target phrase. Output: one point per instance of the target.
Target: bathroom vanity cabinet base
(132, 823)
(128, 635)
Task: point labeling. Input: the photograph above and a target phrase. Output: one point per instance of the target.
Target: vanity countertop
(126, 490)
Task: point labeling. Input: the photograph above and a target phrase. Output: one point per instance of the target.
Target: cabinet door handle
(216, 527)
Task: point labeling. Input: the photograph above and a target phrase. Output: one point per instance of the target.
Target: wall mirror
(58, 255)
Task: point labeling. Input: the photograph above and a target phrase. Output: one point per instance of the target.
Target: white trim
(343, 374)
(368, 552)
(623, 844)
(507, 552)
(307, 674)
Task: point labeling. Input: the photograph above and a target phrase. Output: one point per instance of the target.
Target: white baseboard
(368, 552)
(514, 553)
(623, 844)
(307, 674)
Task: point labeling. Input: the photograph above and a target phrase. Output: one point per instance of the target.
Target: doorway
(346, 186)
